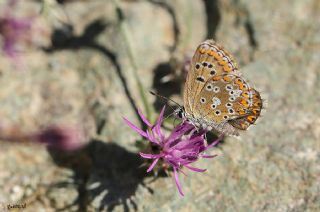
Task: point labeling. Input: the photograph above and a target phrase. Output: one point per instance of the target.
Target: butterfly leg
(205, 139)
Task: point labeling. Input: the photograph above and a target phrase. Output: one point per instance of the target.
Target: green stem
(125, 33)
(44, 8)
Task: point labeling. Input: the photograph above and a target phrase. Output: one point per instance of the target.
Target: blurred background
(71, 69)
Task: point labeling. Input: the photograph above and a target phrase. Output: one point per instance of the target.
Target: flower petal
(215, 142)
(178, 132)
(157, 130)
(176, 178)
(149, 156)
(160, 119)
(151, 137)
(194, 143)
(152, 165)
(135, 128)
(195, 169)
(209, 156)
(144, 119)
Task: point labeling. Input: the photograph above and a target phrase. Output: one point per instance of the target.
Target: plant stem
(125, 33)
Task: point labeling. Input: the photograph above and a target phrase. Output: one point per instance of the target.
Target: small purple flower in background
(181, 148)
(13, 30)
(60, 137)
(65, 138)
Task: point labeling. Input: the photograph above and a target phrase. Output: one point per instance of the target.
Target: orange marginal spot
(202, 50)
(244, 102)
(227, 78)
(238, 81)
(216, 78)
(226, 68)
(222, 62)
(216, 56)
(251, 119)
(257, 104)
(243, 125)
(245, 94)
(255, 111)
(242, 87)
(242, 112)
(256, 97)
(211, 53)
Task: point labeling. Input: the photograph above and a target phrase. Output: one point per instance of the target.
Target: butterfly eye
(181, 113)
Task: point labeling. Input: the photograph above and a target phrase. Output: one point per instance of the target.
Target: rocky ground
(80, 70)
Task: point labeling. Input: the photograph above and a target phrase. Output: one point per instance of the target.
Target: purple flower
(181, 148)
(13, 31)
(65, 138)
(60, 137)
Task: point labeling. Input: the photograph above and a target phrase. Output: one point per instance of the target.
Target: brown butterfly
(216, 97)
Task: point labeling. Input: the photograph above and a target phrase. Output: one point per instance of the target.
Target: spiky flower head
(181, 148)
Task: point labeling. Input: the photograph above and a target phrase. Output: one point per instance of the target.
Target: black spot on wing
(200, 79)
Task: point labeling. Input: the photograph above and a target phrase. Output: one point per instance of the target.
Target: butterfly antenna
(168, 116)
(165, 98)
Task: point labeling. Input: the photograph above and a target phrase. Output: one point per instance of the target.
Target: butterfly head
(180, 112)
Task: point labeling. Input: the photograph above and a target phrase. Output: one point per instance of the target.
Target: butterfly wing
(253, 113)
(223, 98)
(209, 60)
(216, 95)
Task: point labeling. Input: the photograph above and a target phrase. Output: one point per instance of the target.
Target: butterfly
(216, 96)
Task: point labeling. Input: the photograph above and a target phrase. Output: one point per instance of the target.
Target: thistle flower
(181, 148)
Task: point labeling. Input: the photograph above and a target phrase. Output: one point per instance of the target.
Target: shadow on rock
(165, 87)
(213, 17)
(105, 174)
(167, 81)
(64, 39)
